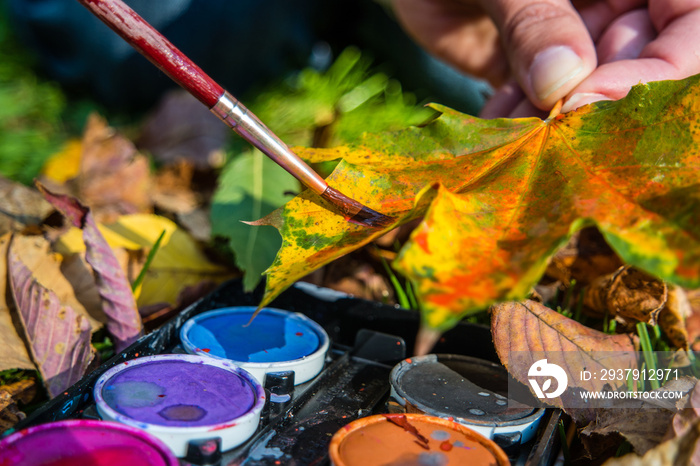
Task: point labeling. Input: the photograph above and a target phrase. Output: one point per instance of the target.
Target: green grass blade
(149, 259)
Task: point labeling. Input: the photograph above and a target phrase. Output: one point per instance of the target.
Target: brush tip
(356, 212)
(371, 218)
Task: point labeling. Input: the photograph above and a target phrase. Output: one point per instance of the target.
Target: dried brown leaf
(21, 206)
(584, 258)
(628, 293)
(9, 412)
(674, 452)
(688, 414)
(114, 179)
(46, 268)
(643, 423)
(692, 322)
(525, 332)
(59, 337)
(672, 317)
(22, 391)
(13, 352)
(173, 191)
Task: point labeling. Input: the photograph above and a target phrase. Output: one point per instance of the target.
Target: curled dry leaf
(584, 258)
(526, 332)
(692, 322)
(118, 303)
(58, 336)
(672, 317)
(629, 293)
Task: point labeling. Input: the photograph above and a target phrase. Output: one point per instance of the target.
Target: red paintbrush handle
(159, 50)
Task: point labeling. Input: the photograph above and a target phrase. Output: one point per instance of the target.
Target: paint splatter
(187, 413)
(433, 459)
(446, 446)
(133, 394)
(440, 435)
(401, 421)
(299, 334)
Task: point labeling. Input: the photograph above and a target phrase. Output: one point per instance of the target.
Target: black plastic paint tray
(367, 340)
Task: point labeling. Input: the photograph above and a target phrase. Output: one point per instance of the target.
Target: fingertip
(554, 72)
(549, 47)
(580, 99)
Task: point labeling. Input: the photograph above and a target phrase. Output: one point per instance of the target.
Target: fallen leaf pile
(69, 264)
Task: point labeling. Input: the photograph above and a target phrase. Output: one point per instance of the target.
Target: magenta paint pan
(84, 442)
(274, 341)
(182, 397)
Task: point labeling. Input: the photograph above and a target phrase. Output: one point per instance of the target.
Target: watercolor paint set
(317, 378)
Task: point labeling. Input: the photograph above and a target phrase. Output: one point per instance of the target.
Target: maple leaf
(499, 197)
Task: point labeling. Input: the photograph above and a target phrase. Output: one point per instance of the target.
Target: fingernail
(580, 99)
(552, 68)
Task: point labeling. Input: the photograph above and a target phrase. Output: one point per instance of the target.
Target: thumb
(549, 48)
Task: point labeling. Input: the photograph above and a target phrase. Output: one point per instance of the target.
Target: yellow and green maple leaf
(498, 197)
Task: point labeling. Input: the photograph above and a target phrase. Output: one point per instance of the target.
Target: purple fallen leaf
(59, 337)
(118, 303)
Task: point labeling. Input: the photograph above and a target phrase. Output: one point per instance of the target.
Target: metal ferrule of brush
(246, 124)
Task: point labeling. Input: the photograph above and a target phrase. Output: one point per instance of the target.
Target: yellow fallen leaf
(71, 242)
(64, 164)
(179, 262)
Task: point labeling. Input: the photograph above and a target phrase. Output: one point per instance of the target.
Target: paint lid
(414, 439)
(84, 442)
(275, 341)
(182, 397)
(472, 391)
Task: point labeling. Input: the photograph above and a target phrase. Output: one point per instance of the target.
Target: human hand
(536, 52)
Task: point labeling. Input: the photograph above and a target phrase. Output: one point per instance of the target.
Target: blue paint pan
(275, 341)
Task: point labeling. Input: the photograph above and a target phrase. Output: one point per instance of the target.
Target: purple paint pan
(182, 397)
(274, 341)
(84, 442)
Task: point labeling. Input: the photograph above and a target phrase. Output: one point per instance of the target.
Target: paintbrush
(162, 53)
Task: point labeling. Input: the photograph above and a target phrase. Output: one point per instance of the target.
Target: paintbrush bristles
(354, 211)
